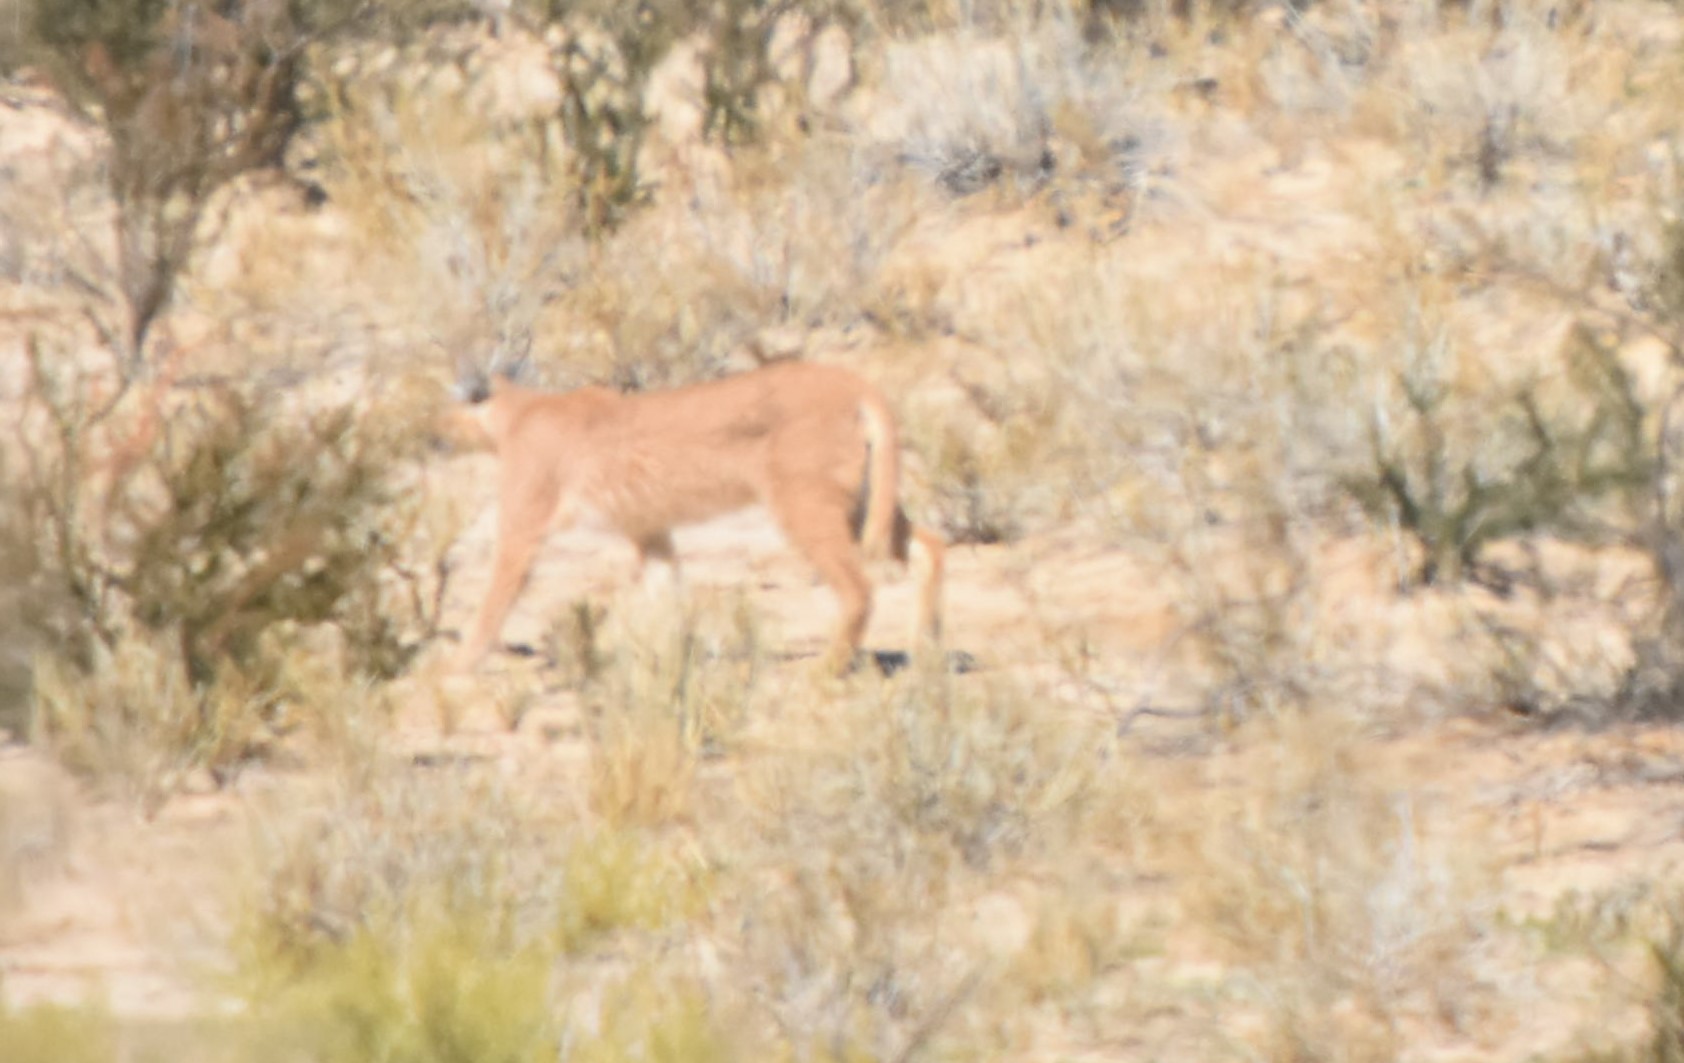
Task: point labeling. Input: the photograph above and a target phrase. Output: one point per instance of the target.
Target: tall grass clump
(473, 213)
(791, 241)
(674, 681)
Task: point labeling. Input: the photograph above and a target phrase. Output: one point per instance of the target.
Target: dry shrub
(573, 643)
(878, 822)
(651, 1018)
(1197, 425)
(1099, 385)
(986, 474)
(733, 42)
(617, 884)
(1077, 938)
(188, 554)
(1249, 616)
(790, 240)
(474, 219)
(1022, 444)
(1460, 460)
(1482, 102)
(1225, 435)
(187, 102)
(642, 771)
(33, 605)
(977, 768)
(639, 320)
(1205, 432)
(455, 836)
(449, 912)
(971, 110)
(455, 987)
(499, 221)
(277, 512)
(1346, 909)
(135, 721)
(397, 843)
(838, 918)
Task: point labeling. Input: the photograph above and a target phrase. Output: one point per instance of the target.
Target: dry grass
(677, 683)
(1345, 333)
(1351, 915)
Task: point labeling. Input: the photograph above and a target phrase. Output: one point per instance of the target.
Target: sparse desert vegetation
(1298, 383)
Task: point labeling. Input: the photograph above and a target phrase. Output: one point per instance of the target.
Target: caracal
(815, 444)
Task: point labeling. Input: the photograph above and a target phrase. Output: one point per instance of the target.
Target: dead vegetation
(1304, 379)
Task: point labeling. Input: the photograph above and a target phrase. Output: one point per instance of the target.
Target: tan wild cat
(815, 444)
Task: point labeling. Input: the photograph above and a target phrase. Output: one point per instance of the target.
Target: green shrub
(445, 986)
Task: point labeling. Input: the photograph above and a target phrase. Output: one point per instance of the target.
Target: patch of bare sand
(110, 907)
